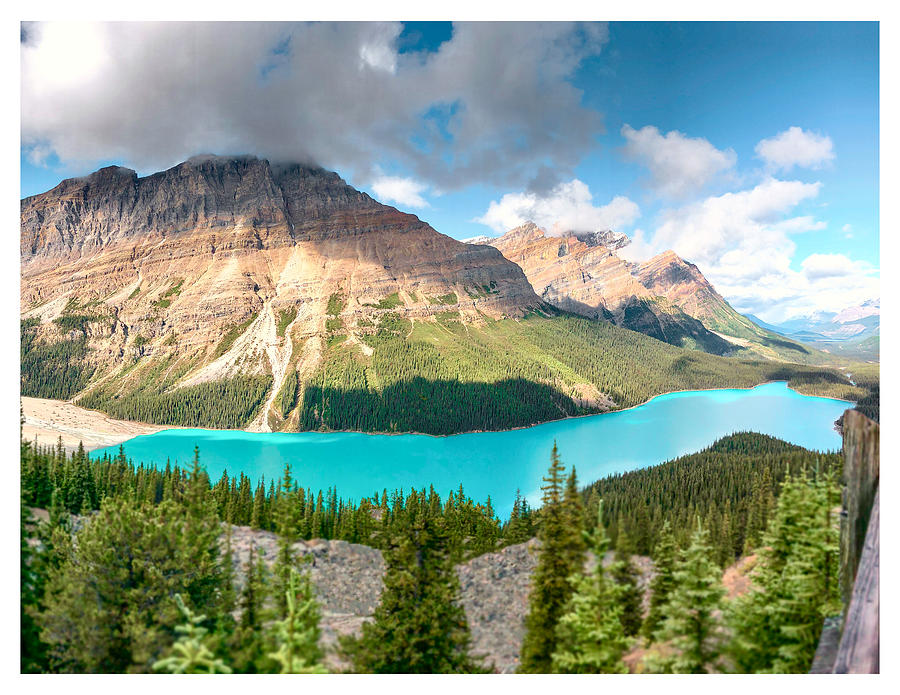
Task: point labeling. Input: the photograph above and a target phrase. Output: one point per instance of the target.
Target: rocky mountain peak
(164, 266)
(605, 237)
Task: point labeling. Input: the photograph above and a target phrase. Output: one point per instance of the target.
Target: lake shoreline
(495, 464)
(96, 430)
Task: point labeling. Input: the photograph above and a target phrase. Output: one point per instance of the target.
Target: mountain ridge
(231, 293)
(665, 297)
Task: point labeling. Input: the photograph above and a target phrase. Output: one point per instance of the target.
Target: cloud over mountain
(568, 207)
(742, 242)
(494, 103)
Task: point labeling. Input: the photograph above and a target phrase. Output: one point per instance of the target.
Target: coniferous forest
(439, 377)
(131, 568)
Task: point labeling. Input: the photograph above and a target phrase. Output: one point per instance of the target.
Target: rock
(581, 273)
(166, 265)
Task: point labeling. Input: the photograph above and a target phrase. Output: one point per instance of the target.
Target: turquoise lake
(496, 463)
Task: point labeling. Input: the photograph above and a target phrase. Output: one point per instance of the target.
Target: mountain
(232, 292)
(581, 273)
(205, 267)
(853, 332)
(666, 297)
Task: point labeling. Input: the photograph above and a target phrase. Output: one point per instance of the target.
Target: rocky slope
(220, 266)
(582, 273)
(494, 589)
(665, 297)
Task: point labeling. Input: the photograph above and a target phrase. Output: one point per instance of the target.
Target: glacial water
(496, 463)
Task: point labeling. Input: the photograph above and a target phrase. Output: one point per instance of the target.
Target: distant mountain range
(854, 331)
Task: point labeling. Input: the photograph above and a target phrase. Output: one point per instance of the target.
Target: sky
(750, 149)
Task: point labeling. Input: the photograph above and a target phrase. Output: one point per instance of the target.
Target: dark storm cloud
(502, 107)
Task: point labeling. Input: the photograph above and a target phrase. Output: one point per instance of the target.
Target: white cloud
(734, 228)
(742, 243)
(805, 223)
(848, 231)
(831, 265)
(639, 250)
(795, 147)
(567, 207)
(495, 103)
(678, 165)
(405, 192)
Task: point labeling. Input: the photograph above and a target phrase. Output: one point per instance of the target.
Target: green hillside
(446, 376)
(435, 376)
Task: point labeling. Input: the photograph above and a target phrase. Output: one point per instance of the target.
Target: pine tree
(664, 556)
(286, 527)
(32, 578)
(108, 607)
(419, 625)
(590, 638)
(198, 549)
(520, 527)
(246, 647)
(776, 625)
(297, 634)
(191, 652)
(691, 627)
(573, 522)
(229, 598)
(558, 561)
(625, 576)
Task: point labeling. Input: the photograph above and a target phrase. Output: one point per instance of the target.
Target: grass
(233, 334)
(285, 316)
(165, 302)
(175, 289)
(336, 304)
(392, 301)
(446, 299)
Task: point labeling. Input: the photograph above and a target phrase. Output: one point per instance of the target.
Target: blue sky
(749, 148)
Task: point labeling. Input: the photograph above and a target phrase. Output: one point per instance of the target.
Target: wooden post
(861, 452)
(858, 650)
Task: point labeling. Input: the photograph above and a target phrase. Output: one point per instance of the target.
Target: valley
(233, 293)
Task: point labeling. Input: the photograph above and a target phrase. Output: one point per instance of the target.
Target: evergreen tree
(590, 637)
(229, 598)
(247, 650)
(297, 634)
(190, 653)
(625, 576)
(664, 556)
(573, 522)
(691, 627)
(198, 552)
(558, 560)
(776, 625)
(286, 527)
(520, 527)
(108, 607)
(33, 656)
(419, 625)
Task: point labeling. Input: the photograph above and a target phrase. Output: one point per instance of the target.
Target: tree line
(142, 581)
(446, 377)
